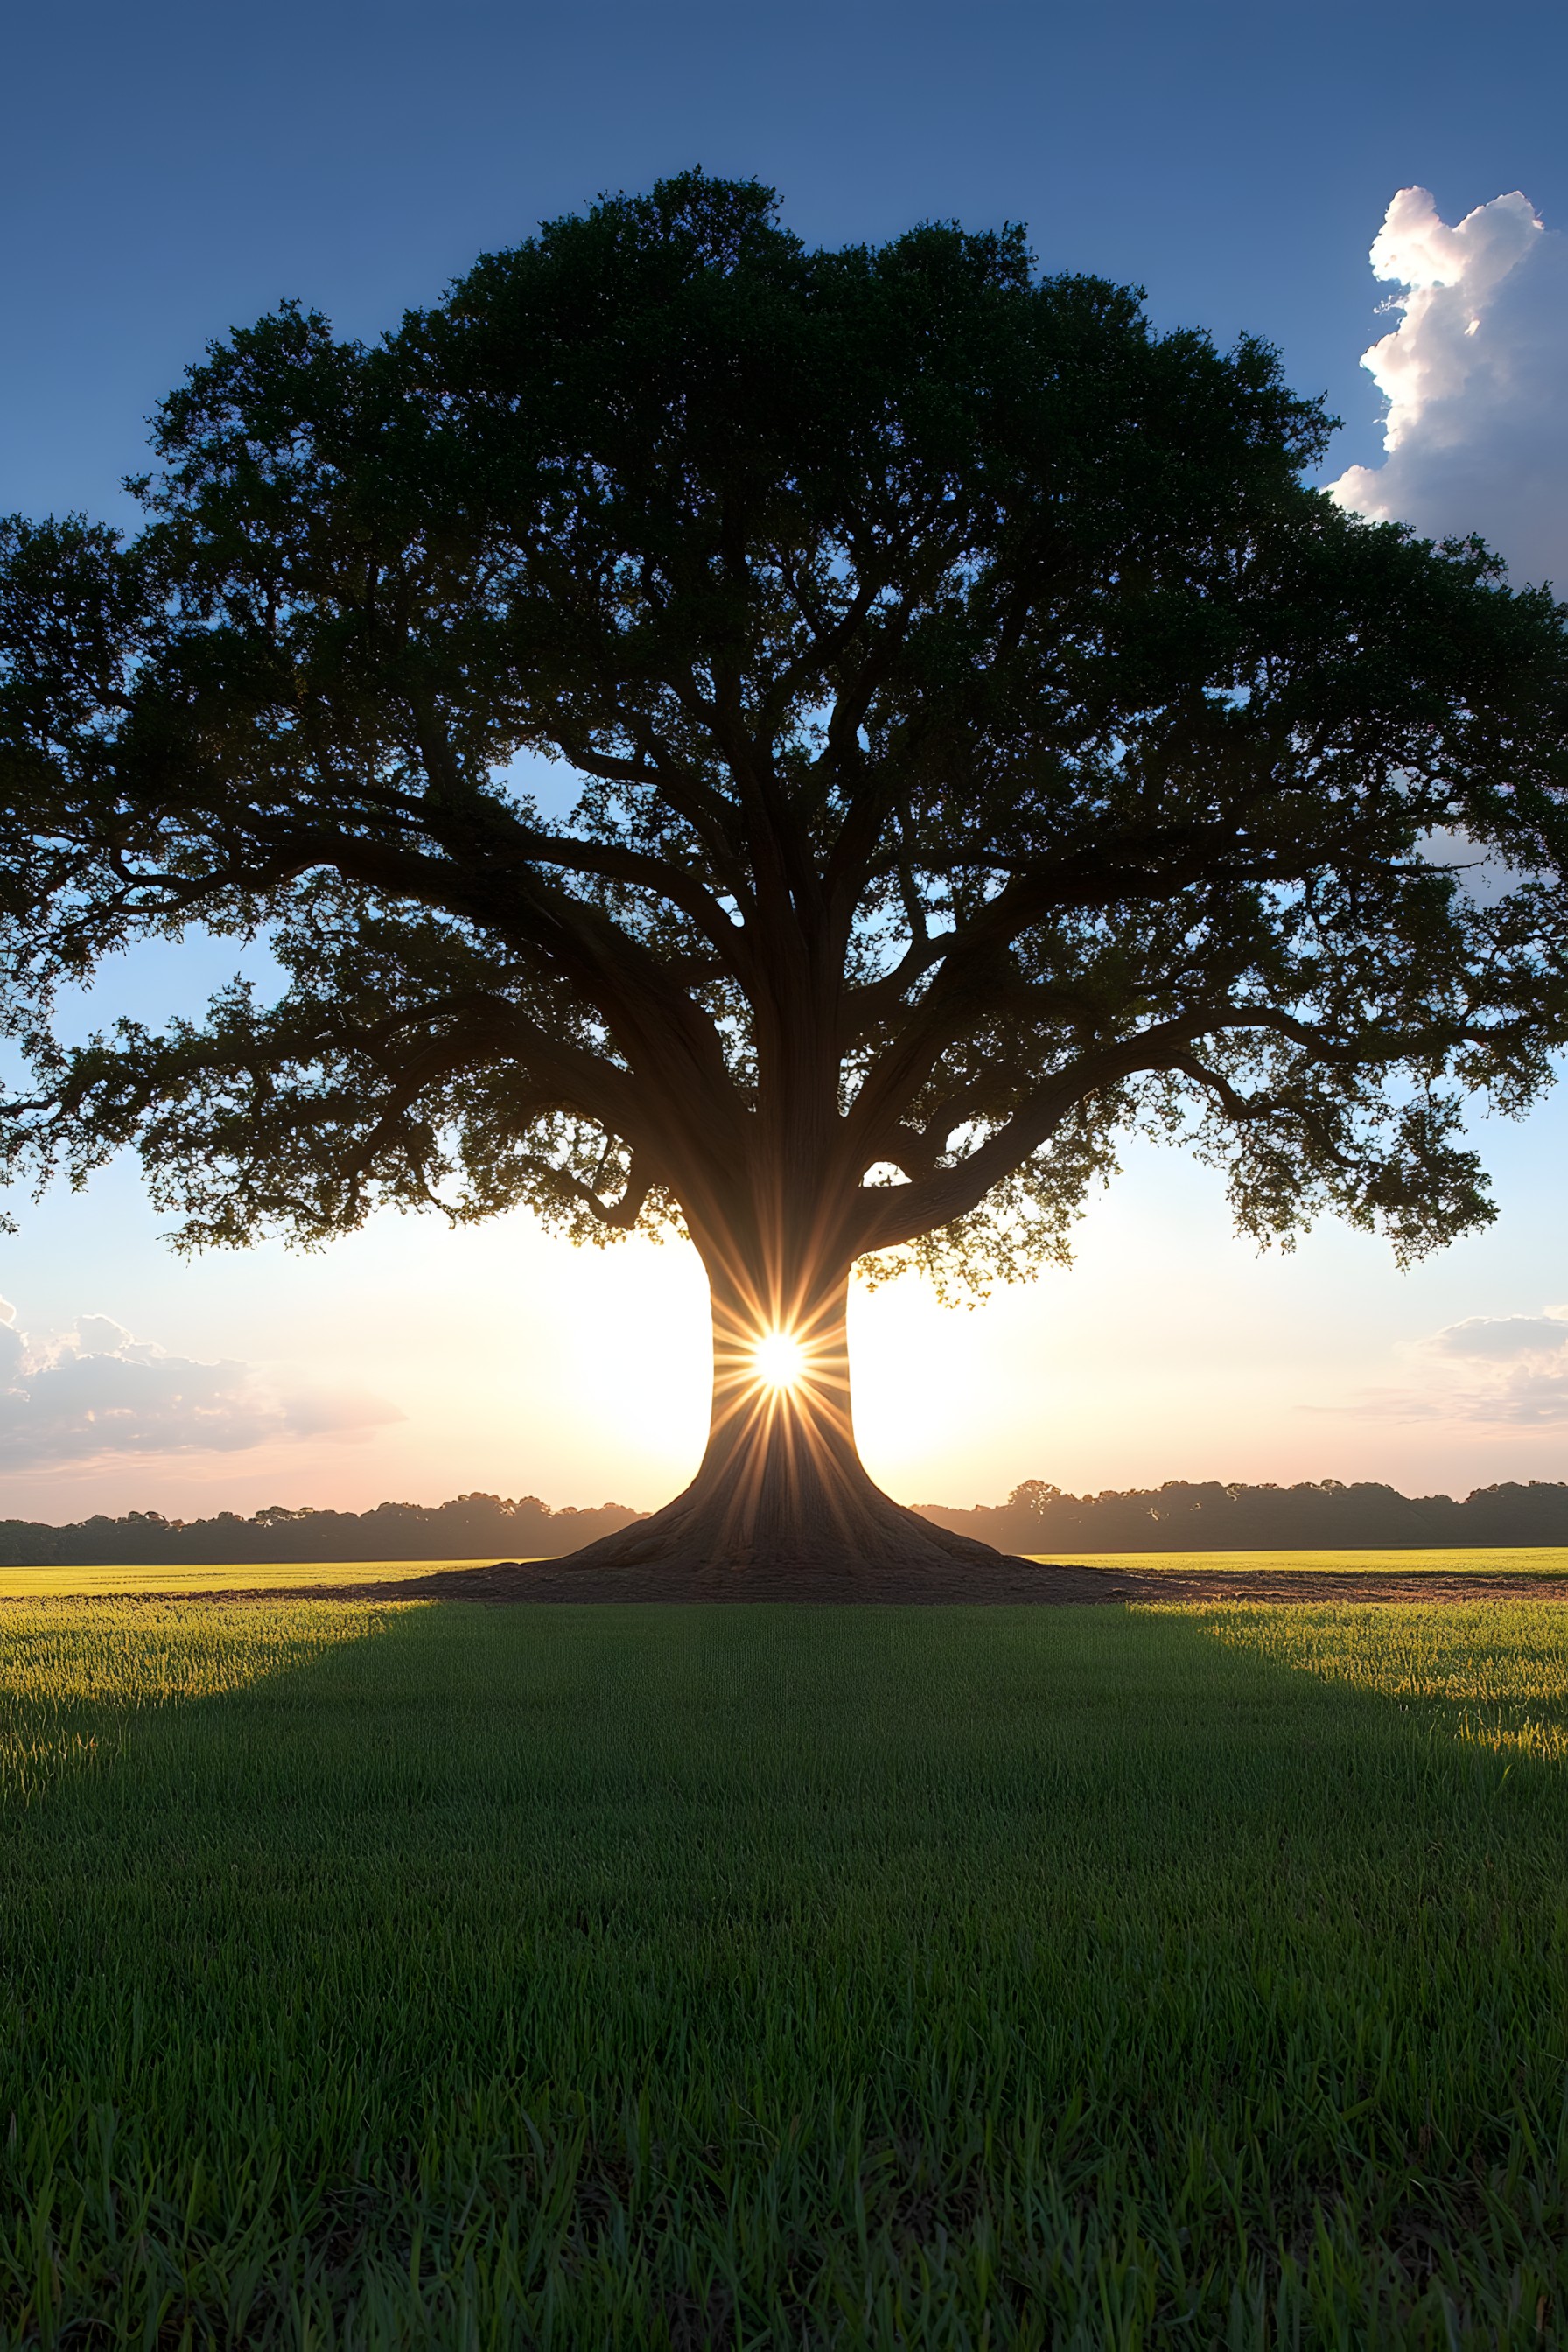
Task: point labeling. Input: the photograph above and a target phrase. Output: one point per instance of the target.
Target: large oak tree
(972, 734)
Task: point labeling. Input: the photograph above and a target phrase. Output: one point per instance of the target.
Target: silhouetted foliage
(1314, 1514)
(469, 1527)
(1180, 1516)
(978, 737)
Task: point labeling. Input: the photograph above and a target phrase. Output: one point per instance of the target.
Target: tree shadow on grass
(604, 1935)
(78, 1676)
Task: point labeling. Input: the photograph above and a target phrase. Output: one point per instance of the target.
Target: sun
(779, 1360)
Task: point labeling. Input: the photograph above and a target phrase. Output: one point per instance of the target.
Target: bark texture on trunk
(781, 1492)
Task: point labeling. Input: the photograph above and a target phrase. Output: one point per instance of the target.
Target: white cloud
(100, 1335)
(1476, 433)
(1534, 1388)
(1508, 1371)
(98, 1391)
(1526, 1400)
(1498, 1337)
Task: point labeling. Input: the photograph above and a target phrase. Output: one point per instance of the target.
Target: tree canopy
(801, 746)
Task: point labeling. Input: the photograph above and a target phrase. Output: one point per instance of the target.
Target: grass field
(1529, 1559)
(60, 1583)
(405, 1976)
(36, 1583)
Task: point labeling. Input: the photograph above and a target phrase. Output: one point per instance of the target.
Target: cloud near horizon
(98, 1391)
(1490, 1339)
(1476, 431)
(1514, 1375)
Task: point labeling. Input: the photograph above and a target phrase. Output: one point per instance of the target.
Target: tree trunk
(781, 1493)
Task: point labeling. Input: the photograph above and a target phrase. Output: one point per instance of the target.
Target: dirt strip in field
(1011, 1582)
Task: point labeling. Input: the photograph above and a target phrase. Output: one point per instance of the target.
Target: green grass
(1525, 1560)
(385, 1976)
(243, 1576)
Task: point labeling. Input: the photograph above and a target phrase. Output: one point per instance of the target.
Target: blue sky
(171, 171)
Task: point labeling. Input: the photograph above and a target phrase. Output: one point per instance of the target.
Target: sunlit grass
(242, 1576)
(1490, 1674)
(775, 1978)
(1529, 1559)
(73, 1681)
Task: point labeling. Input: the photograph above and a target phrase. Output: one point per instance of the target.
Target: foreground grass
(653, 1977)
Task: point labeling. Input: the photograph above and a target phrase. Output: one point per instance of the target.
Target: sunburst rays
(781, 1394)
(780, 1360)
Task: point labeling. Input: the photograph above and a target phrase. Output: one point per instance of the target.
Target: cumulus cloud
(100, 1335)
(99, 1391)
(1476, 431)
(1510, 1370)
(1491, 1337)
(1527, 1400)
(1534, 1388)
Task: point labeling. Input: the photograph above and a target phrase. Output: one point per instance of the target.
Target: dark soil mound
(1011, 1580)
(999, 1579)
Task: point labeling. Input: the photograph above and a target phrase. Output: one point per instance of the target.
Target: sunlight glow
(780, 1360)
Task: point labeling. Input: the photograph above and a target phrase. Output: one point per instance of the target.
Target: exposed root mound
(937, 1582)
(696, 1533)
(864, 1548)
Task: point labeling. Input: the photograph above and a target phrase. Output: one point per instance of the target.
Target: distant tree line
(468, 1528)
(1317, 1514)
(1180, 1516)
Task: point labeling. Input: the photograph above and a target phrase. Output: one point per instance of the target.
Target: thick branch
(899, 1213)
(619, 1216)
